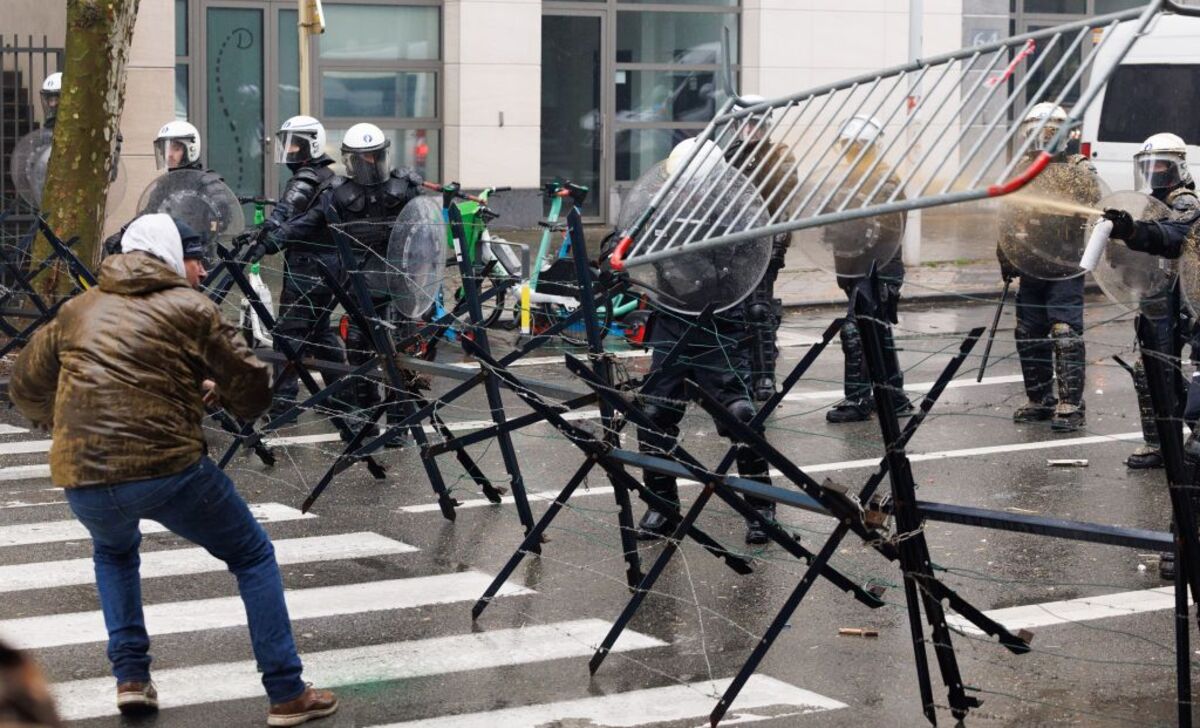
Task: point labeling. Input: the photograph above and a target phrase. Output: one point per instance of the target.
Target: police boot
(764, 389)
(1148, 455)
(756, 535)
(1038, 375)
(1069, 369)
(654, 524)
(1166, 566)
(858, 404)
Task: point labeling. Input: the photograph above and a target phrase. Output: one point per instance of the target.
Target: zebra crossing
(183, 687)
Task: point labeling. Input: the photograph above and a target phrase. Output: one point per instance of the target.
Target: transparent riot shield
(200, 199)
(721, 276)
(1138, 282)
(1044, 228)
(416, 257)
(848, 249)
(30, 152)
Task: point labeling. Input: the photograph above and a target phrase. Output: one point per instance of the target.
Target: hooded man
(119, 376)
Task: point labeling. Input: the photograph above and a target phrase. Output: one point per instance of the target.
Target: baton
(987, 350)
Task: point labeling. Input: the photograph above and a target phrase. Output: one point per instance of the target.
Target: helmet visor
(1041, 138)
(1156, 171)
(293, 147)
(50, 101)
(170, 153)
(367, 168)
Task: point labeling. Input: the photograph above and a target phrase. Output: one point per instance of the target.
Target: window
(1145, 99)
(182, 60)
(382, 64)
(666, 76)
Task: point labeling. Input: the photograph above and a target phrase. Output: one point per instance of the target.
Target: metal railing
(950, 134)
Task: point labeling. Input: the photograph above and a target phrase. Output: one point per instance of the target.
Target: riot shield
(1044, 228)
(30, 152)
(1189, 271)
(200, 199)
(417, 257)
(848, 249)
(723, 275)
(1138, 282)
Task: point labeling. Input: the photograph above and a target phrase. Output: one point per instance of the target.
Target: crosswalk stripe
(204, 614)
(25, 472)
(549, 495)
(647, 707)
(25, 534)
(177, 562)
(915, 388)
(12, 430)
(221, 682)
(459, 426)
(1083, 609)
(24, 447)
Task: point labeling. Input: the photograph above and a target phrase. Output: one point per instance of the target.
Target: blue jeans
(201, 505)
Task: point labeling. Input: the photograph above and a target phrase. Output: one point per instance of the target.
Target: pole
(310, 21)
(911, 251)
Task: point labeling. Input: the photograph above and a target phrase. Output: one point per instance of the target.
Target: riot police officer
(771, 167)
(858, 144)
(307, 299)
(363, 208)
(51, 95)
(1160, 170)
(718, 359)
(1049, 331)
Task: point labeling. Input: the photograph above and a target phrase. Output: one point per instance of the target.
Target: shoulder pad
(398, 190)
(1183, 199)
(307, 174)
(210, 177)
(349, 195)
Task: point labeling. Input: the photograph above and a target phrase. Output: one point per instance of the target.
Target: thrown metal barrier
(950, 134)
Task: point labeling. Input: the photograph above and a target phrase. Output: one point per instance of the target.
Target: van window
(1145, 99)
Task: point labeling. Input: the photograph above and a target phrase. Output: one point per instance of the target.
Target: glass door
(573, 103)
(233, 104)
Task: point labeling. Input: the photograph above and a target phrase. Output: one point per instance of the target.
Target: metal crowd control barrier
(949, 122)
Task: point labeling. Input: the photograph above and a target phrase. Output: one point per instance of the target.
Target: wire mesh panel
(933, 132)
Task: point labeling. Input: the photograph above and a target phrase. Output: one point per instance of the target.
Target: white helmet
(860, 129)
(305, 134)
(1161, 164)
(178, 135)
(1052, 115)
(51, 91)
(364, 152)
(707, 159)
(755, 123)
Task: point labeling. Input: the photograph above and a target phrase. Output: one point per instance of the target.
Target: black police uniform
(1183, 201)
(856, 382)
(771, 167)
(365, 214)
(718, 359)
(307, 300)
(1049, 338)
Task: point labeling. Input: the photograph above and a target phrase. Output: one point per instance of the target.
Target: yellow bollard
(526, 328)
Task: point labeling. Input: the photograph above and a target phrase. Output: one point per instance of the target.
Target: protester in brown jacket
(119, 376)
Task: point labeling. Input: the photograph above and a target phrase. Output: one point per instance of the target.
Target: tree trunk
(85, 134)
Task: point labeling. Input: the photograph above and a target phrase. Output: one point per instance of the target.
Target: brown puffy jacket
(117, 375)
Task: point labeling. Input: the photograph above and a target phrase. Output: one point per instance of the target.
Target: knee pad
(664, 417)
(742, 409)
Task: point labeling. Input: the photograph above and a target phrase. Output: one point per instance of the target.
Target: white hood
(157, 235)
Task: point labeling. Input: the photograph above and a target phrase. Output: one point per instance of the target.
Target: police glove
(1008, 271)
(1123, 225)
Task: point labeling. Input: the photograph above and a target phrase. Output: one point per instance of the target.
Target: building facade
(508, 92)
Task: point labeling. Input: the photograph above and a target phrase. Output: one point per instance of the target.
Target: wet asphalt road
(424, 660)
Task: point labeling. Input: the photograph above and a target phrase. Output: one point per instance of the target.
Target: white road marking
(24, 534)
(648, 707)
(369, 664)
(205, 614)
(549, 495)
(24, 447)
(915, 388)
(25, 472)
(1083, 609)
(177, 562)
(12, 430)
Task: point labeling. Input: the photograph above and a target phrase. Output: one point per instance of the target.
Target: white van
(1155, 89)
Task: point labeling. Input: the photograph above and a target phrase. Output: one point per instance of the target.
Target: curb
(981, 296)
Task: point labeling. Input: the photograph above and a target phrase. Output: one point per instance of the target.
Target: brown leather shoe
(137, 698)
(311, 704)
